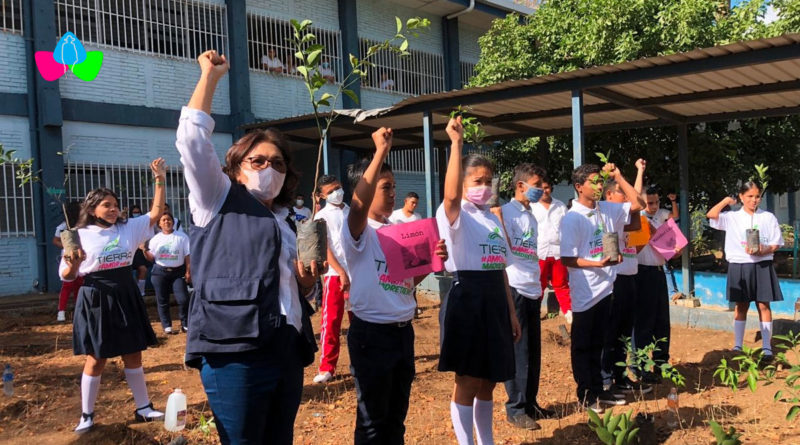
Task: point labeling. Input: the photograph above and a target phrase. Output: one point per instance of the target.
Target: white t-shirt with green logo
(170, 250)
(113, 247)
(523, 264)
(582, 237)
(735, 225)
(374, 297)
(475, 241)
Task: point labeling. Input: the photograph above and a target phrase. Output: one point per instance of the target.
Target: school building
(105, 132)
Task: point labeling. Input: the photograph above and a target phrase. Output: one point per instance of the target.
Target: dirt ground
(46, 403)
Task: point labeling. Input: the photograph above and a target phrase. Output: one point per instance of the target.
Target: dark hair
(299, 195)
(91, 202)
(241, 148)
(135, 206)
(412, 195)
(610, 186)
(525, 171)
(652, 190)
(475, 160)
(356, 171)
(582, 173)
(325, 180)
(166, 214)
(746, 186)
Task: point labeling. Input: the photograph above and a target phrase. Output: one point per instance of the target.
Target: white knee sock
(461, 415)
(482, 416)
(141, 286)
(766, 336)
(135, 378)
(90, 386)
(738, 333)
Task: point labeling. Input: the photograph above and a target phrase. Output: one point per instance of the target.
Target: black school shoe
(608, 398)
(87, 428)
(539, 413)
(627, 386)
(524, 421)
(141, 418)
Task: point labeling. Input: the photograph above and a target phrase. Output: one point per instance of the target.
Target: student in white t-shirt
(622, 315)
(522, 409)
(477, 319)
(406, 213)
(271, 62)
(751, 275)
(68, 288)
(549, 212)
(169, 250)
(386, 82)
(380, 339)
(301, 212)
(336, 281)
(591, 274)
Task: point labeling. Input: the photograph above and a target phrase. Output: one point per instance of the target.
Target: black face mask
(102, 223)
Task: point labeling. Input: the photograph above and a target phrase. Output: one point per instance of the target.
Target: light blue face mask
(533, 194)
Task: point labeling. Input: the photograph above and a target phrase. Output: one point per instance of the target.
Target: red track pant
(553, 271)
(331, 323)
(68, 288)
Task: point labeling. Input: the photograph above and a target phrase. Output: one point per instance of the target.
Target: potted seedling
(752, 234)
(25, 174)
(312, 241)
(610, 239)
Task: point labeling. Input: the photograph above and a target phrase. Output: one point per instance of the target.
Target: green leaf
(305, 24)
(351, 95)
(632, 434)
(404, 45)
(607, 417)
(353, 61)
(303, 70)
(313, 57)
(613, 422)
(595, 418)
(793, 412)
(399, 24)
(323, 102)
(605, 436)
(326, 96)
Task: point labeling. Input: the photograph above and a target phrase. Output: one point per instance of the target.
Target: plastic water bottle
(8, 381)
(175, 417)
(672, 405)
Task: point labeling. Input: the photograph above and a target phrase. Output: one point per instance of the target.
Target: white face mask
(298, 202)
(264, 184)
(335, 197)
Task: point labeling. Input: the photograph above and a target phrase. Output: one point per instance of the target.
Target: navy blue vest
(235, 274)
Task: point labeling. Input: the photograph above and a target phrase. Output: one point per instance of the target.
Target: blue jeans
(166, 280)
(255, 395)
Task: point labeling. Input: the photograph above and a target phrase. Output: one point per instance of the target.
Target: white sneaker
(62, 316)
(568, 317)
(169, 331)
(323, 377)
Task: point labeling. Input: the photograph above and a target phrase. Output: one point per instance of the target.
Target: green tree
(565, 35)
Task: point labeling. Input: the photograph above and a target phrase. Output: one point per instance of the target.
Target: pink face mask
(479, 194)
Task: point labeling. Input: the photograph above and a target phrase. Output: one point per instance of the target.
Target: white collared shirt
(373, 296)
(475, 240)
(288, 294)
(549, 224)
(735, 225)
(523, 263)
(582, 237)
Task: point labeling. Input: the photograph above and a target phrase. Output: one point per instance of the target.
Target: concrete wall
(13, 78)
(710, 288)
(18, 266)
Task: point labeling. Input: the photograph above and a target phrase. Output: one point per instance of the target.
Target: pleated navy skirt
(110, 316)
(753, 282)
(475, 334)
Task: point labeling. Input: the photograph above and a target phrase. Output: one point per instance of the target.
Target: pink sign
(409, 248)
(667, 239)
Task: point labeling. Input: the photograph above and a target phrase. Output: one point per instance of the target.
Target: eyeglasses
(262, 162)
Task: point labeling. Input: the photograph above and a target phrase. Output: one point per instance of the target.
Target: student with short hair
(381, 338)
(336, 281)
(591, 275)
(301, 212)
(110, 316)
(751, 274)
(549, 212)
(406, 213)
(522, 409)
(477, 317)
(623, 300)
(68, 288)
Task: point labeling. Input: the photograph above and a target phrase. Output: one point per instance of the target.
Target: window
(418, 73)
(270, 47)
(467, 71)
(11, 16)
(16, 204)
(172, 28)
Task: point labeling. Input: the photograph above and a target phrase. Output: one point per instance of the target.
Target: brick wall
(324, 13)
(468, 48)
(18, 266)
(13, 78)
(14, 135)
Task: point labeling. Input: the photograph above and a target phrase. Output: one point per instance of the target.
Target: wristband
(159, 183)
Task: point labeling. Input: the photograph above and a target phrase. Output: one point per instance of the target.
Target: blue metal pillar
(683, 163)
(430, 193)
(348, 24)
(792, 207)
(239, 73)
(325, 144)
(578, 143)
(452, 61)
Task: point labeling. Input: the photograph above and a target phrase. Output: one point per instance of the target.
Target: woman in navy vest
(250, 335)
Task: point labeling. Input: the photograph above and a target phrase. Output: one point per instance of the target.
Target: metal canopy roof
(741, 80)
